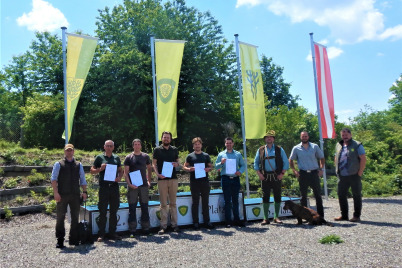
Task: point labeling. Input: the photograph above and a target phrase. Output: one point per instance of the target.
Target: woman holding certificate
(199, 164)
(138, 175)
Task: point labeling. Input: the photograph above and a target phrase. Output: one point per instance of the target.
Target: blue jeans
(231, 188)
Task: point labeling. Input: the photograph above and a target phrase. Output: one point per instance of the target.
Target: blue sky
(363, 38)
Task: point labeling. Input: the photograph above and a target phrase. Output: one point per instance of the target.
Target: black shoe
(209, 226)
(73, 243)
(145, 232)
(60, 243)
(176, 229)
(196, 226)
(115, 237)
(228, 225)
(240, 224)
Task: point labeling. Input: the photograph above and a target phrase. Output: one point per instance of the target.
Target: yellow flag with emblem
(168, 58)
(253, 93)
(80, 52)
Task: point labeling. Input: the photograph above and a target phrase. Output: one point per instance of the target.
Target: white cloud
(350, 21)
(332, 52)
(43, 17)
(393, 33)
(380, 54)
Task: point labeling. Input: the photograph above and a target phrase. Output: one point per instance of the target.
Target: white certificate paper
(167, 169)
(110, 172)
(136, 178)
(230, 166)
(199, 170)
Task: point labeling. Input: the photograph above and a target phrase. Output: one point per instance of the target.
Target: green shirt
(101, 159)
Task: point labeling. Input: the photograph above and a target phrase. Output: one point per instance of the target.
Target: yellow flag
(80, 52)
(253, 94)
(168, 58)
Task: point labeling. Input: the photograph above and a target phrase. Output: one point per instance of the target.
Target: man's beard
(166, 143)
(305, 142)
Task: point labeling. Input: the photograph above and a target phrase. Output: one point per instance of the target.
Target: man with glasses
(109, 194)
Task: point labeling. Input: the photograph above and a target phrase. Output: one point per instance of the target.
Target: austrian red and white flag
(325, 95)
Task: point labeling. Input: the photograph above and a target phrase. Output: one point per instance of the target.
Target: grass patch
(331, 239)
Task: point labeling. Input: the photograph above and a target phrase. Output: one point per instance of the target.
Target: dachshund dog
(308, 214)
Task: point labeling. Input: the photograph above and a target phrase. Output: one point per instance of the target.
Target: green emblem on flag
(252, 78)
(74, 87)
(256, 211)
(158, 214)
(165, 89)
(183, 210)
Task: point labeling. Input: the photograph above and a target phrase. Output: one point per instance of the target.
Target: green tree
(118, 94)
(43, 121)
(275, 86)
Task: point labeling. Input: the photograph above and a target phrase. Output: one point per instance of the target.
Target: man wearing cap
(67, 177)
(306, 153)
(350, 162)
(271, 164)
(109, 194)
(232, 165)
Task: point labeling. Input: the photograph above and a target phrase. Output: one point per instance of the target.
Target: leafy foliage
(331, 239)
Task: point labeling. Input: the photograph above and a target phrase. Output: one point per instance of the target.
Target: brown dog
(307, 214)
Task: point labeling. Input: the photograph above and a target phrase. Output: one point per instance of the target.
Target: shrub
(8, 213)
(50, 206)
(19, 199)
(36, 178)
(11, 183)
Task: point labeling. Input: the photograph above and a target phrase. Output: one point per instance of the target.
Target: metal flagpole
(242, 111)
(63, 38)
(154, 89)
(318, 112)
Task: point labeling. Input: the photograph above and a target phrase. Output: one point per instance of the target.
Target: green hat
(270, 133)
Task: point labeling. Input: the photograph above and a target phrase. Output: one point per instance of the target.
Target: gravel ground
(28, 241)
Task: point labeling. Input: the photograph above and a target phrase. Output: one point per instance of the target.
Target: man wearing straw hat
(271, 164)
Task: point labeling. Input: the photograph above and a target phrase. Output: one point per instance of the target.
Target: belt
(230, 177)
(270, 176)
(309, 170)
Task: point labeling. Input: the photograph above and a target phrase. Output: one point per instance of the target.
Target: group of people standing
(270, 163)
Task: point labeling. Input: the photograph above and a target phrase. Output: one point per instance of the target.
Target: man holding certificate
(199, 164)
(232, 165)
(138, 175)
(108, 166)
(165, 160)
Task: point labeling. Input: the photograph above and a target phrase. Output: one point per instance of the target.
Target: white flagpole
(154, 89)
(242, 111)
(63, 38)
(318, 112)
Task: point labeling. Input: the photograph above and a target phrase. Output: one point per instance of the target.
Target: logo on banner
(252, 78)
(256, 211)
(158, 214)
(97, 219)
(183, 210)
(74, 87)
(165, 89)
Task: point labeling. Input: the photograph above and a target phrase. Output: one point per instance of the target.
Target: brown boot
(265, 222)
(355, 219)
(341, 218)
